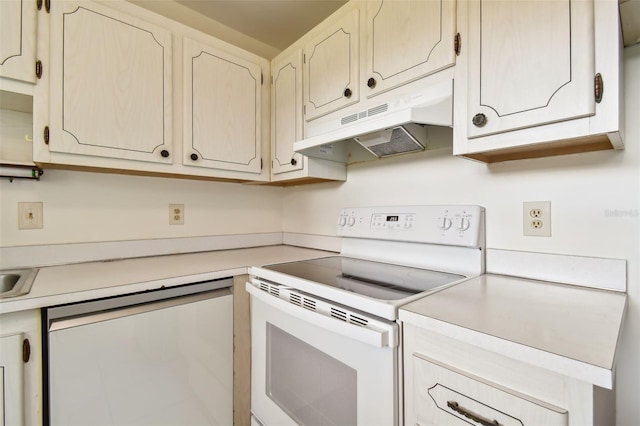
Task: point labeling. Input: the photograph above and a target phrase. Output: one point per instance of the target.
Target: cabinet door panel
(222, 109)
(331, 68)
(18, 39)
(12, 377)
(407, 40)
(286, 106)
(111, 84)
(530, 63)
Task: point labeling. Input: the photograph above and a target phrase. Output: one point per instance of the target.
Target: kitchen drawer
(446, 396)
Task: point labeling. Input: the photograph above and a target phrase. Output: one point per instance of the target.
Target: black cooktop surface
(373, 279)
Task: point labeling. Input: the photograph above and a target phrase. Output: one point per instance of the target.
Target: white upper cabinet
(407, 40)
(287, 123)
(331, 67)
(537, 78)
(18, 39)
(530, 63)
(222, 109)
(286, 112)
(110, 84)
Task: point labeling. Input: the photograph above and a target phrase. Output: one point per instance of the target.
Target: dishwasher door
(148, 362)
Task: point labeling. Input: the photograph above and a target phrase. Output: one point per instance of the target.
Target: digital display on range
(395, 218)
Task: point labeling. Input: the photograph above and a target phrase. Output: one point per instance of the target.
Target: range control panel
(460, 225)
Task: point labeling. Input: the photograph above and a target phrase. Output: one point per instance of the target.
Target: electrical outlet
(176, 214)
(536, 218)
(30, 215)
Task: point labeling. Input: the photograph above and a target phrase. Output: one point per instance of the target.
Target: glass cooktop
(374, 279)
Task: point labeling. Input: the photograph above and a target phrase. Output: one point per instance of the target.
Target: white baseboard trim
(60, 254)
(594, 272)
(318, 242)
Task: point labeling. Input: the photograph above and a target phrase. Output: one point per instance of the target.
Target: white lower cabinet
(20, 369)
(448, 382)
(444, 395)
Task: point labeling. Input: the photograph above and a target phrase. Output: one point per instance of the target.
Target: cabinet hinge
(598, 87)
(456, 44)
(39, 68)
(26, 350)
(46, 135)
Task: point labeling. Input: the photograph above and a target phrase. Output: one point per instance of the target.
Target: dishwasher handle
(377, 333)
(95, 317)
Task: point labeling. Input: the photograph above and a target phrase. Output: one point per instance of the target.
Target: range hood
(383, 127)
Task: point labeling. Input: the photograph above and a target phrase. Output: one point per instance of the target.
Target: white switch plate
(536, 218)
(176, 214)
(30, 215)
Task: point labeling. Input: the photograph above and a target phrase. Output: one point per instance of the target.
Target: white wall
(95, 207)
(585, 191)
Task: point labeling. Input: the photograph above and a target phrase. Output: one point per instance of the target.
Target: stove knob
(463, 224)
(342, 221)
(445, 223)
(352, 221)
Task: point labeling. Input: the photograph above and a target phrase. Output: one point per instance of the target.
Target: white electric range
(325, 334)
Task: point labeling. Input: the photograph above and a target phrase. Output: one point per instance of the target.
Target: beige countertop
(71, 283)
(547, 324)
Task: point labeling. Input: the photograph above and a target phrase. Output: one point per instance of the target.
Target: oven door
(311, 369)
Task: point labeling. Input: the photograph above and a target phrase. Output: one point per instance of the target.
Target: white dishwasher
(157, 357)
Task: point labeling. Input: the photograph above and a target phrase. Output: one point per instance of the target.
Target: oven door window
(309, 385)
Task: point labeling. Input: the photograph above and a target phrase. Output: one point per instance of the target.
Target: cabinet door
(286, 113)
(110, 84)
(11, 380)
(407, 40)
(530, 63)
(18, 39)
(222, 109)
(331, 68)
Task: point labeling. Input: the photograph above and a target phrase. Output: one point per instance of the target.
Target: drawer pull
(471, 415)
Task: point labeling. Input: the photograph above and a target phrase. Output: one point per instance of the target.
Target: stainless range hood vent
(393, 141)
(383, 127)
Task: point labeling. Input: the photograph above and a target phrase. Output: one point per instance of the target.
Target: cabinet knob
(194, 157)
(347, 93)
(479, 120)
(164, 153)
(371, 83)
(294, 161)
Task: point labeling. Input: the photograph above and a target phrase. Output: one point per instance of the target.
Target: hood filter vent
(396, 140)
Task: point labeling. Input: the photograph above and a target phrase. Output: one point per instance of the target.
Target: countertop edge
(230, 268)
(565, 366)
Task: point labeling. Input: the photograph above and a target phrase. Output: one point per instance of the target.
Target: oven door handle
(381, 336)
